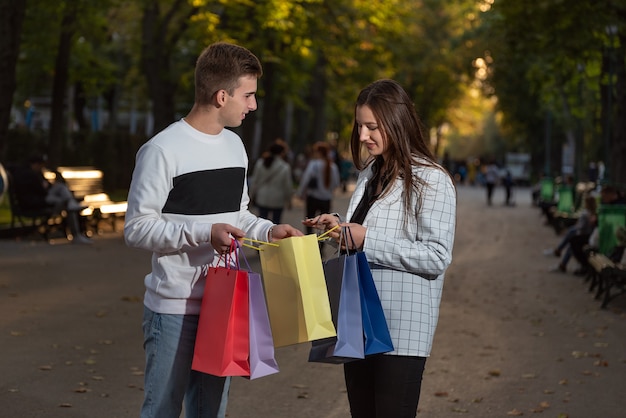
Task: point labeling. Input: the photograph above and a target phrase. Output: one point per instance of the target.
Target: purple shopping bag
(262, 361)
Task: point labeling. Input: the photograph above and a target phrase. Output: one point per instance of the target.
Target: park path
(513, 339)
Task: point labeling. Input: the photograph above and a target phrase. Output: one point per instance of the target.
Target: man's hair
(220, 66)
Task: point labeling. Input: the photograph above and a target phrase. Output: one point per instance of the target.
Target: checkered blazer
(408, 262)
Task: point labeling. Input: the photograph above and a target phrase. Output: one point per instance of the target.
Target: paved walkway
(513, 339)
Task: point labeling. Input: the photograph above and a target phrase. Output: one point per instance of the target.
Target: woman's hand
(323, 223)
(355, 236)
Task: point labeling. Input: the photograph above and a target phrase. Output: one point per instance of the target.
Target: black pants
(315, 207)
(490, 187)
(384, 386)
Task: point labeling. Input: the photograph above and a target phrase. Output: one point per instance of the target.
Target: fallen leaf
(16, 333)
(82, 390)
(494, 373)
(515, 413)
(97, 377)
(601, 345)
(45, 368)
(601, 363)
(460, 410)
(65, 405)
(441, 394)
(563, 382)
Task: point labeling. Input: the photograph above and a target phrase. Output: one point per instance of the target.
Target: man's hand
(222, 236)
(284, 231)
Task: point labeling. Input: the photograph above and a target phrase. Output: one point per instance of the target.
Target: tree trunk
(271, 112)
(159, 37)
(11, 18)
(59, 86)
(617, 167)
(317, 101)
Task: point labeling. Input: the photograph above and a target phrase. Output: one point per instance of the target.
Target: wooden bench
(86, 183)
(607, 276)
(44, 221)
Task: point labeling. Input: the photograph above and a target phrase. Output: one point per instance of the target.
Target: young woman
(402, 215)
(319, 181)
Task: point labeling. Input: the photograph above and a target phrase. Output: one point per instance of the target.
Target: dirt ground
(513, 339)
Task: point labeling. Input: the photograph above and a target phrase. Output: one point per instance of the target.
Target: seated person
(581, 247)
(581, 231)
(35, 192)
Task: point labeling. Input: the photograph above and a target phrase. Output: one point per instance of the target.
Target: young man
(188, 198)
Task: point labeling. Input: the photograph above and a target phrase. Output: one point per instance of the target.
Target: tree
(548, 59)
(11, 18)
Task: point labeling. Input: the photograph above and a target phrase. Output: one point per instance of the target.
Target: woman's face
(370, 133)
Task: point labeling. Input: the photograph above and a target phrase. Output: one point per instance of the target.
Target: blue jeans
(169, 381)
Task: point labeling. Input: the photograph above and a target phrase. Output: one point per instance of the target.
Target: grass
(5, 211)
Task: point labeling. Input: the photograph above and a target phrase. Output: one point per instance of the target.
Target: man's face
(240, 103)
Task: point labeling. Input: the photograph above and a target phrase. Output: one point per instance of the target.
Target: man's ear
(220, 97)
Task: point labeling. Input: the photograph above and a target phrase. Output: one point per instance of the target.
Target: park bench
(606, 274)
(609, 276)
(86, 183)
(44, 221)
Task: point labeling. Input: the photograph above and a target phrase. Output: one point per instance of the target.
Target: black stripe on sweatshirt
(206, 192)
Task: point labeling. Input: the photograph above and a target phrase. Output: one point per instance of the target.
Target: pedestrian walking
(319, 181)
(491, 179)
(271, 184)
(402, 214)
(188, 199)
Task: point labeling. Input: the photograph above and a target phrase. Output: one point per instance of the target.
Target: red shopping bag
(223, 338)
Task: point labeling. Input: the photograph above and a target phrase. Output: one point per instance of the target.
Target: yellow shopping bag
(295, 289)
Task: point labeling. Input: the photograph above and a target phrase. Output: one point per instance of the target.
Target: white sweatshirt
(185, 181)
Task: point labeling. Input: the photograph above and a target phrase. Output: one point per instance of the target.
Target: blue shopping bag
(375, 328)
(342, 282)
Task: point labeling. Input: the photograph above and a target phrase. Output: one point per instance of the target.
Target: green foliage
(317, 54)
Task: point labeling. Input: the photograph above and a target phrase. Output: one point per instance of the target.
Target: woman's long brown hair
(406, 146)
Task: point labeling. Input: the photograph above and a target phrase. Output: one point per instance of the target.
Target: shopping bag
(223, 336)
(342, 281)
(295, 290)
(262, 360)
(375, 328)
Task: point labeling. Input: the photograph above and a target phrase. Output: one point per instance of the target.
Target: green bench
(607, 275)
